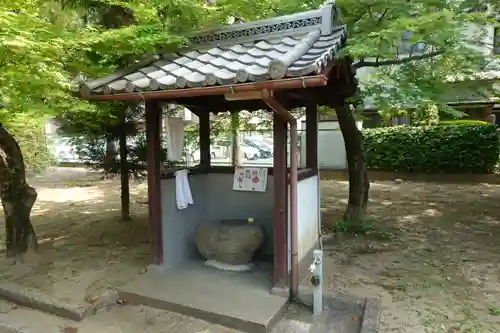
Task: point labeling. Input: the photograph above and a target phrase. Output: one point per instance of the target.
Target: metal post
(317, 281)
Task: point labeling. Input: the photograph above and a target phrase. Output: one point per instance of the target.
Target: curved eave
(290, 83)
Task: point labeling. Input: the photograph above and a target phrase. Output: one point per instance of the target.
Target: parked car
(263, 149)
(249, 152)
(217, 151)
(265, 146)
(64, 151)
(268, 141)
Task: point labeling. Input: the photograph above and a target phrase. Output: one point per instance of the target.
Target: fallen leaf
(70, 330)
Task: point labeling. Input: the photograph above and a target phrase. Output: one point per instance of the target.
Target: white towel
(182, 190)
(175, 138)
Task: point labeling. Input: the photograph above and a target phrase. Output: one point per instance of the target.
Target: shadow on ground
(432, 255)
(84, 247)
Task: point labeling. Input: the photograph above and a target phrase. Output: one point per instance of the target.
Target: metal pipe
(293, 83)
(294, 278)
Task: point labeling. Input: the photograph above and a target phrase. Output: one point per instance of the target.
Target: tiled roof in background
(289, 46)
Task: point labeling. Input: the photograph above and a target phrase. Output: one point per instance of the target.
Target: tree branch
(381, 18)
(376, 63)
(357, 19)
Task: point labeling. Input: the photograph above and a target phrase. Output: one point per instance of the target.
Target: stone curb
(35, 299)
(370, 319)
(10, 328)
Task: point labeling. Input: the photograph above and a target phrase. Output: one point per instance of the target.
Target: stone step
(36, 299)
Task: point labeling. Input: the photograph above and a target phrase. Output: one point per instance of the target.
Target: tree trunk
(124, 174)
(359, 184)
(19, 231)
(235, 134)
(17, 197)
(109, 159)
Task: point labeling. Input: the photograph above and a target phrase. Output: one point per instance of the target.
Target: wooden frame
(153, 124)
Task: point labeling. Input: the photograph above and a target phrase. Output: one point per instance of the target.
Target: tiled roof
(290, 46)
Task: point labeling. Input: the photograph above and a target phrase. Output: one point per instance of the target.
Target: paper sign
(250, 179)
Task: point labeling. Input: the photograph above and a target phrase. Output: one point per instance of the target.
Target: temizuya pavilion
(275, 64)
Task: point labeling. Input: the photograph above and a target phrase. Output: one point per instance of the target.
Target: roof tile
(289, 46)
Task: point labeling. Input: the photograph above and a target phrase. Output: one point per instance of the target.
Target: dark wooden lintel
(303, 173)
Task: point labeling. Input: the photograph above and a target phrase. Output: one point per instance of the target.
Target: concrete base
(37, 300)
(342, 313)
(239, 300)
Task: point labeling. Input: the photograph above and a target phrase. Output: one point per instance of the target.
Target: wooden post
(153, 123)
(124, 170)
(204, 119)
(235, 134)
(280, 202)
(312, 136)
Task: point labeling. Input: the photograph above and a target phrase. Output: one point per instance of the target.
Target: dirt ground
(85, 247)
(432, 256)
(85, 250)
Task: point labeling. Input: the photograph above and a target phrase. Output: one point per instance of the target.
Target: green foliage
(93, 151)
(46, 45)
(37, 42)
(352, 227)
(426, 115)
(494, 311)
(438, 149)
(462, 122)
(34, 146)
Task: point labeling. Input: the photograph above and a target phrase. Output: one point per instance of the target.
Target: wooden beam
(288, 83)
(153, 123)
(218, 102)
(280, 202)
(276, 106)
(312, 136)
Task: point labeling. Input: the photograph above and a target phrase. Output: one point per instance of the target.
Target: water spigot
(315, 280)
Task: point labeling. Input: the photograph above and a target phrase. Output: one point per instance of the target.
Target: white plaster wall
(480, 38)
(179, 226)
(214, 200)
(308, 205)
(308, 198)
(331, 149)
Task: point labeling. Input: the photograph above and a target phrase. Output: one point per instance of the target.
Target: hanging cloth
(182, 189)
(175, 138)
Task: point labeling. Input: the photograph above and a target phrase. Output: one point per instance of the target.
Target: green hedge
(463, 122)
(437, 149)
